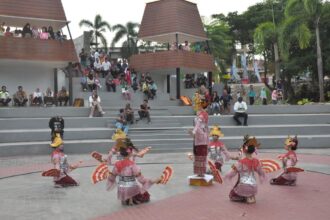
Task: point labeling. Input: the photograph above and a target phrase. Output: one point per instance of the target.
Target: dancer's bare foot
(251, 200)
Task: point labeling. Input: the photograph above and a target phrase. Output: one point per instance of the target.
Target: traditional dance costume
(217, 150)
(61, 165)
(289, 160)
(245, 188)
(201, 141)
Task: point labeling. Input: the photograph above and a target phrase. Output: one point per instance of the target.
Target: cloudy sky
(122, 11)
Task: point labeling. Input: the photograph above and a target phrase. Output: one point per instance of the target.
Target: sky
(122, 11)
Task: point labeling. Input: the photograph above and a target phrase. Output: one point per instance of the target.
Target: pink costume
(60, 162)
(289, 160)
(218, 153)
(246, 185)
(201, 140)
(128, 187)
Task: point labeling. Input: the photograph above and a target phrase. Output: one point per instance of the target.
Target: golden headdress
(291, 141)
(119, 134)
(216, 130)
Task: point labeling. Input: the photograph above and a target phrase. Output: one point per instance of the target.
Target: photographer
(56, 124)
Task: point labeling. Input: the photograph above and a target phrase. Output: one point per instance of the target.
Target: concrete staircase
(24, 131)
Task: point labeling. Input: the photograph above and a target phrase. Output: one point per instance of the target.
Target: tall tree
(98, 28)
(129, 31)
(299, 14)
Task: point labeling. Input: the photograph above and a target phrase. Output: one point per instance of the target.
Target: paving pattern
(27, 195)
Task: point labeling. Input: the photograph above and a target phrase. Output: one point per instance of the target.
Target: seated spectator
(240, 109)
(135, 85)
(17, 33)
(20, 97)
(59, 36)
(205, 97)
(144, 111)
(146, 90)
(37, 97)
(44, 34)
(27, 32)
(83, 83)
(129, 113)
(186, 46)
(110, 84)
(226, 101)
(95, 104)
(90, 82)
(215, 103)
(49, 98)
(124, 91)
(35, 32)
(4, 96)
(97, 65)
(51, 33)
(8, 33)
(121, 122)
(63, 96)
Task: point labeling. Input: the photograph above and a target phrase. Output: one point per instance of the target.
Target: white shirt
(240, 107)
(91, 100)
(96, 55)
(106, 65)
(37, 94)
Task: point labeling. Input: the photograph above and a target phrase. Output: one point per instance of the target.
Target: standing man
(252, 95)
(240, 109)
(83, 58)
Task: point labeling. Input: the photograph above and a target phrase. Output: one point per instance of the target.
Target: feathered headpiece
(119, 134)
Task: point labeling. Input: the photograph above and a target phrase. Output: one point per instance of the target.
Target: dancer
(201, 140)
(61, 167)
(245, 188)
(132, 185)
(289, 161)
(217, 150)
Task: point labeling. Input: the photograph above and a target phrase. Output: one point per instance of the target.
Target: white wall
(30, 77)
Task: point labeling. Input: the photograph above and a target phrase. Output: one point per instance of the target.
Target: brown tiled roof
(169, 17)
(36, 49)
(164, 60)
(46, 9)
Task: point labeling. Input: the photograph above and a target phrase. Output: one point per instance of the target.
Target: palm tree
(264, 32)
(299, 14)
(129, 31)
(98, 28)
(220, 42)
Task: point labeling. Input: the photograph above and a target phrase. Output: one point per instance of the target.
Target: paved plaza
(27, 195)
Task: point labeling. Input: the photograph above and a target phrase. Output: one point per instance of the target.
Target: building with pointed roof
(34, 63)
(172, 22)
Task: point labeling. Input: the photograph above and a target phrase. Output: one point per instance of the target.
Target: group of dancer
(132, 186)
(247, 165)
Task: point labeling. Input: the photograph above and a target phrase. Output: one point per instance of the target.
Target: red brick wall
(172, 59)
(36, 49)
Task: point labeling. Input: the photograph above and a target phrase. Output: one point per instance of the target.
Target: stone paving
(27, 195)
